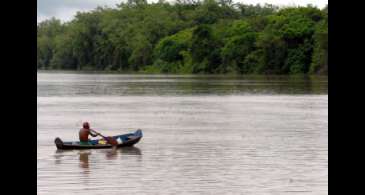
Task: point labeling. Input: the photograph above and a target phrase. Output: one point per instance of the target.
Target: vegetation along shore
(188, 37)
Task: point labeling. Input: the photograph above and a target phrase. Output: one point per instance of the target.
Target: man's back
(85, 132)
(84, 135)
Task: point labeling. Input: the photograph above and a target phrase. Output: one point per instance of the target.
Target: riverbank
(181, 74)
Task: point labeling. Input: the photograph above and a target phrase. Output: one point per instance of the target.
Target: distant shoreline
(208, 37)
(183, 74)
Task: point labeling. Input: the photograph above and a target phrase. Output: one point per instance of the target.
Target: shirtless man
(85, 132)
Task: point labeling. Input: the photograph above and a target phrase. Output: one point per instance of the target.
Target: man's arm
(93, 133)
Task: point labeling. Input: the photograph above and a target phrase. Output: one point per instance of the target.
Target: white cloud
(66, 9)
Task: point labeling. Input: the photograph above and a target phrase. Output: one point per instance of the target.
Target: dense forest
(188, 36)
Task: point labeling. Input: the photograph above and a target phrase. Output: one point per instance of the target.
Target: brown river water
(202, 134)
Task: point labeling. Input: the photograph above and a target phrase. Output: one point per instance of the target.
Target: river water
(202, 134)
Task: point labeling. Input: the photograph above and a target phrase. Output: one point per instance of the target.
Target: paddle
(109, 139)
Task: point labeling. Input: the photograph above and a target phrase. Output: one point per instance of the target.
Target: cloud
(66, 9)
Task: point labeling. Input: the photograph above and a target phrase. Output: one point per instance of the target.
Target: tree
(274, 52)
(239, 43)
(141, 53)
(46, 33)
(204, 53)
(320, 55)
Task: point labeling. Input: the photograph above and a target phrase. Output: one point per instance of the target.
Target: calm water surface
(202, 134)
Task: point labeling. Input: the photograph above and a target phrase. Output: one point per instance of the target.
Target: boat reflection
(130, 150)
(60, 154)
(84, 155)
(84, 159)
(113, 153)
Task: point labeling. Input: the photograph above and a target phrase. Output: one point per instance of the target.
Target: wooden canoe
(123, 140)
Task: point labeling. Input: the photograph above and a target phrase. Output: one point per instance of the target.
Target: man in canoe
(85, 132)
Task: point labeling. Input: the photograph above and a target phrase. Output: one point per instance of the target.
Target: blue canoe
(128, 139)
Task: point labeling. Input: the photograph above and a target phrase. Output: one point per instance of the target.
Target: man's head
(86, 125)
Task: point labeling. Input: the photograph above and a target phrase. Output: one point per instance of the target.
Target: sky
(66, 9)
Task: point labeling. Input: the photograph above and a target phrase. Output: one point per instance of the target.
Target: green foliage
(253, 63)
(169, 48)
(210, 36)
(295, 61)
(239, 42)
(274, 51)
(63, 54)
(210, 11)
(141, 53)
(320, 54)
(204, 50)
(47, 31)
(151, 69)
(167, 67)
(257, 10)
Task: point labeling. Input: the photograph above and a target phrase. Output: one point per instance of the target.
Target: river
(202, 134)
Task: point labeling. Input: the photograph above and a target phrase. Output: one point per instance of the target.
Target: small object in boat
(102, 141)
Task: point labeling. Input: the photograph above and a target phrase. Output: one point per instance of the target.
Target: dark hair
(86, 125)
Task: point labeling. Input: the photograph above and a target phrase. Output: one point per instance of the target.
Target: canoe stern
(59, 143)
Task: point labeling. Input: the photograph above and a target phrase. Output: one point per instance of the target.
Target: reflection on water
(85, 155)
(202, 134)
(162, 85)
(84, 159)
(130, 151)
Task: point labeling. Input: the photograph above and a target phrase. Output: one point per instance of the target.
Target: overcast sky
(66, 9)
